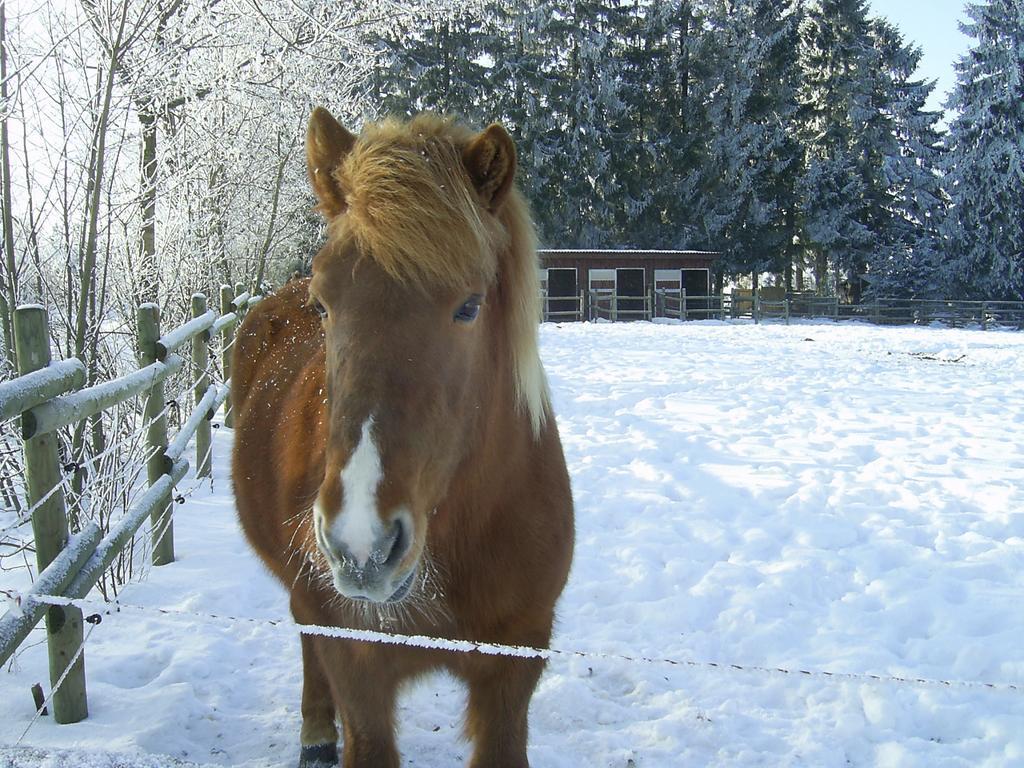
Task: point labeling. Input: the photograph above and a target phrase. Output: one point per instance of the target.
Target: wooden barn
(620, 285)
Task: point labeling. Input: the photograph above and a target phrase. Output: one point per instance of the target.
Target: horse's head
(426, 284)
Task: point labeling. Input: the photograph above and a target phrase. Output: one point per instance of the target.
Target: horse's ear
(490, 160)
(327, 143)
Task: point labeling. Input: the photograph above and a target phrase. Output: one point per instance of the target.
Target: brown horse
(396, 461)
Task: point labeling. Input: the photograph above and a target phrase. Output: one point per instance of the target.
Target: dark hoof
(319, 756)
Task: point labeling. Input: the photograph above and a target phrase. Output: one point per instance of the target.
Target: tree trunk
(97, 164)
(148, 279)
(9, 290)
(685, 19)
(268, 240)
(820, 273)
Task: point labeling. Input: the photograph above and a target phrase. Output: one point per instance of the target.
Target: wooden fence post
(200, 362)
(162, 519)
(50, 526)
(227, 337)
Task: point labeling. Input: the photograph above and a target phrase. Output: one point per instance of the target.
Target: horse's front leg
(500, 689)
(319, 736)
(365, 687)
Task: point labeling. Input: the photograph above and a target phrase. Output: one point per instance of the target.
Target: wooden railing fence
(609, 306)
(557, 309)
(603, 305)
(48, 396)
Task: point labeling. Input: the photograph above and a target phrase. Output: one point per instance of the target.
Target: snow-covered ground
(825, 497)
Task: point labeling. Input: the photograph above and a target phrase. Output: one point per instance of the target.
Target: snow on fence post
(162, 523)
(200, 362)
(50, 526)
(227, 336)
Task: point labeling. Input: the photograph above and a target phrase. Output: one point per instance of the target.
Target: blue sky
(933, 25)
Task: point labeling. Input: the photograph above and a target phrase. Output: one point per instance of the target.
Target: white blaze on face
(358, 527)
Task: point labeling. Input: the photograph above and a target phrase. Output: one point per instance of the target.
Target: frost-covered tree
(430, 62)
(752, 212)
(871, 197)
(574, 193)
(986, 154)
(908, 261)
(836, 189)
(660, 155)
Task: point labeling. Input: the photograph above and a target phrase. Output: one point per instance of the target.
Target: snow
(814, 496)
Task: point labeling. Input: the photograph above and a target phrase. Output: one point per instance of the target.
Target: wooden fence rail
(49, 396)
(659, 303)
(880, 310)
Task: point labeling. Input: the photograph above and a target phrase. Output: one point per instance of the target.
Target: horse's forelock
(411, 206)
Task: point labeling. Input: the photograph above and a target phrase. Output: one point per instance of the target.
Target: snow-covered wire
(529, 652)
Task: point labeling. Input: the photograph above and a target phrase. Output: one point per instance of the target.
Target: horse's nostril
(399, 543)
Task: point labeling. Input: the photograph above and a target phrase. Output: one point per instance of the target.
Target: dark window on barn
(629, 283)
(562, 283)
(696, 282)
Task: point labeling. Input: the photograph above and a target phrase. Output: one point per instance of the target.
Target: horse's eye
(467, 312)
(320, 309)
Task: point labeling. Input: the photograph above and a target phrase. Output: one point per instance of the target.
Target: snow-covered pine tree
(431, 62)
(909, 230)
(836, 56)
(573, 192)
(516, 82)
(751, 215)
(638, 144)
(685, 82)
(985, 168)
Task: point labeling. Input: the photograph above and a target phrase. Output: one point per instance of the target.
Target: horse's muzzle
(375, 573)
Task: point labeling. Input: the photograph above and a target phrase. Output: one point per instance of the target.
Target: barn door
(697, 284)
(563, 303)
(629, 283)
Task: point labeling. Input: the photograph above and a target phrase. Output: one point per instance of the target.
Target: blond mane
(411, 207)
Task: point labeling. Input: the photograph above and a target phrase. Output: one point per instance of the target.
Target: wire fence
(427, 642)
